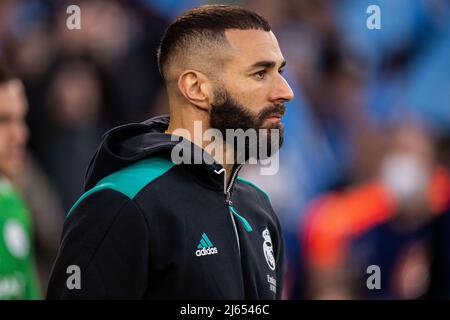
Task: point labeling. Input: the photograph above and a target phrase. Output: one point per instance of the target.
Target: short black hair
(203, 24)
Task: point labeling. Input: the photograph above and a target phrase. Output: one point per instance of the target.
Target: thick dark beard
(227, 113)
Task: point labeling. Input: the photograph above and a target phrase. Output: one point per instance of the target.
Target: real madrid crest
(268, 249)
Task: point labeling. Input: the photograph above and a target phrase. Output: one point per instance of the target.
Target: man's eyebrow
(267, 64)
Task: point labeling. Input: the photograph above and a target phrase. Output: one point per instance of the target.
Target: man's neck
(187, 122)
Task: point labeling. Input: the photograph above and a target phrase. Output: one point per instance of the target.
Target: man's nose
(282, 91)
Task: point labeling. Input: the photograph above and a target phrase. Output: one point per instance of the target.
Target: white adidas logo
(205, 247)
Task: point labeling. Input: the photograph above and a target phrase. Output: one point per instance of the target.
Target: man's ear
(196, 88)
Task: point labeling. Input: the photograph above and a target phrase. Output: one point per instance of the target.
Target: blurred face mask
(405, 175)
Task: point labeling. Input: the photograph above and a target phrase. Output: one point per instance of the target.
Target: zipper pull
(228, 199)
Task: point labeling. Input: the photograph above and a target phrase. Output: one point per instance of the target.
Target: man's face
(252, 91)
(13, 130)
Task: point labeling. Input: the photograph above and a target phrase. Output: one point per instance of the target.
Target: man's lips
(275, 116)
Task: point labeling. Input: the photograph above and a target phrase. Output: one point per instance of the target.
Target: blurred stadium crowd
(364, 175)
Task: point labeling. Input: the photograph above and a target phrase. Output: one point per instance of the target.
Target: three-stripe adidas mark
(205, 247)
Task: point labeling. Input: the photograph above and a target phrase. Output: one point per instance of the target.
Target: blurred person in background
(18, 278)
(119, 38)
(72, 117)
(385, 221)
(402, 245)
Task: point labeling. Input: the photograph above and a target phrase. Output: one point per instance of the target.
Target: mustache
(278, 109)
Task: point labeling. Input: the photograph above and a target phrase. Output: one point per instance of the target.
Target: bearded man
(150, 228)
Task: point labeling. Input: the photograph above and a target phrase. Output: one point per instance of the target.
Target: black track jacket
(147, 228)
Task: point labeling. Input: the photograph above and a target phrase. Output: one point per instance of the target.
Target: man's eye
(260, 74)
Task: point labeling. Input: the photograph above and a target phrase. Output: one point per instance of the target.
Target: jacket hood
(127, 144)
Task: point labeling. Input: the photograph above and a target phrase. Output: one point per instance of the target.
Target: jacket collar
(127, 144)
